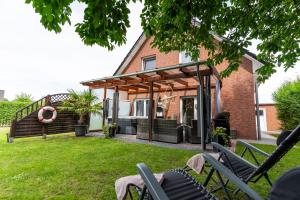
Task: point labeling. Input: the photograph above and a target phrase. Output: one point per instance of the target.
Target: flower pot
(112, 131)
(80, 130)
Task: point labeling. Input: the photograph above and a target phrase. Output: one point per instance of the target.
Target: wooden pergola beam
(165, 83)
(141, 86)
(147, 79)
(129, 87)
(192, 87)
(182, 82)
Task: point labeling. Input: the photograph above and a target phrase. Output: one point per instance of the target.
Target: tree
(274, 23)
(287, 98)
(23, 97)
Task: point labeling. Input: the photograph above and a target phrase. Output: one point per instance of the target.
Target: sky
(39, 62)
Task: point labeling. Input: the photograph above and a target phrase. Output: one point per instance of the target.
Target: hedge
(8, 110)
(287, 99)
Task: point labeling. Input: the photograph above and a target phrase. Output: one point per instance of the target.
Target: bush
(8, 110)
(287, 99)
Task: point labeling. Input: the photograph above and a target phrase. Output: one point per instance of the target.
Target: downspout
(257, 111)
(200, 123)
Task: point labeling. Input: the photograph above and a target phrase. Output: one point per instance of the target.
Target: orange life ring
(41, 112)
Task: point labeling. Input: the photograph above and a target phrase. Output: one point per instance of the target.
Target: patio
(196, 76)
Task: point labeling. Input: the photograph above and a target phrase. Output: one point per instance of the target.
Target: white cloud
(39, 62)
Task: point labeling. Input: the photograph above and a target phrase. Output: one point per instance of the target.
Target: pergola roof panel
(177, 77)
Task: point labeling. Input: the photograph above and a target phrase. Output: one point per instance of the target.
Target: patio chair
(179, 185)
(249, 172)
(285, 188)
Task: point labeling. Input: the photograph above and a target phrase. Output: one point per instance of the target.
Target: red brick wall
(273, 123)
(237, 94)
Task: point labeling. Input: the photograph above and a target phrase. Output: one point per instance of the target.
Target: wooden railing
(47, 100)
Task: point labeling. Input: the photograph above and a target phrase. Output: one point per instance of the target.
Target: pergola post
(115, 109)
(200, 116)
(208, 105)
(150, 111)
(104, 107)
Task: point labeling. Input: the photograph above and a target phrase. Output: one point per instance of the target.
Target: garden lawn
(66, 167)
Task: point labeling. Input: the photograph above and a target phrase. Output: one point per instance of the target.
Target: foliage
(287, 99)
(220, 132)
(274, 24)
(82, 103)
(23, 97)
(107, 128)
(8, 110)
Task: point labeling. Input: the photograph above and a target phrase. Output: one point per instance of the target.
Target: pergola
(189, 76)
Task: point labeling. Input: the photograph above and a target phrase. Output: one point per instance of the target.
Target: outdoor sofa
(164, 130)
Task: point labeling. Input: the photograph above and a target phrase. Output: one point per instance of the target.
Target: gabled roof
(137, 45)
(142, 39)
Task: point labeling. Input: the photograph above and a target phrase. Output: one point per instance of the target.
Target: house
(268, 117)
(237, 94)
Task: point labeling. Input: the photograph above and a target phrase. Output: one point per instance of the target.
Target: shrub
(287, 99)
(8, 110)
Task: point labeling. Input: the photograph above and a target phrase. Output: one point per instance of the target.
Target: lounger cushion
(287, 186)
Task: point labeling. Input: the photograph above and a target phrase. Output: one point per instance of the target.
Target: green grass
(66, 167)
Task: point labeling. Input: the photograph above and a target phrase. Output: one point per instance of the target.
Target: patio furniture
(249, 172)
(287, 186)
(282, 136)
(178, 184)
(191, 133)
(142, 129)
(164, 130)
(127, 126)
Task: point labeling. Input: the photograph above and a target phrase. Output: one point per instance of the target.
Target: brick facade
(237, 94)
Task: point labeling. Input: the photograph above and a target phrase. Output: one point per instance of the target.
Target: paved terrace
(266, 139)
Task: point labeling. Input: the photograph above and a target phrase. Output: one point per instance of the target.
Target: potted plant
(83, 103)
(109, 130)
(220, 136)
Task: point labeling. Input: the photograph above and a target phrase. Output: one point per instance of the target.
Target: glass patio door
(188, 110)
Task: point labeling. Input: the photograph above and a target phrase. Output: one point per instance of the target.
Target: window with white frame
(141, 107)
(184, 57)
(149, 63)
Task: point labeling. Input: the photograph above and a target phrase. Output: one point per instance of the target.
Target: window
(149, 63)
(184, 58)
(141, 107)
